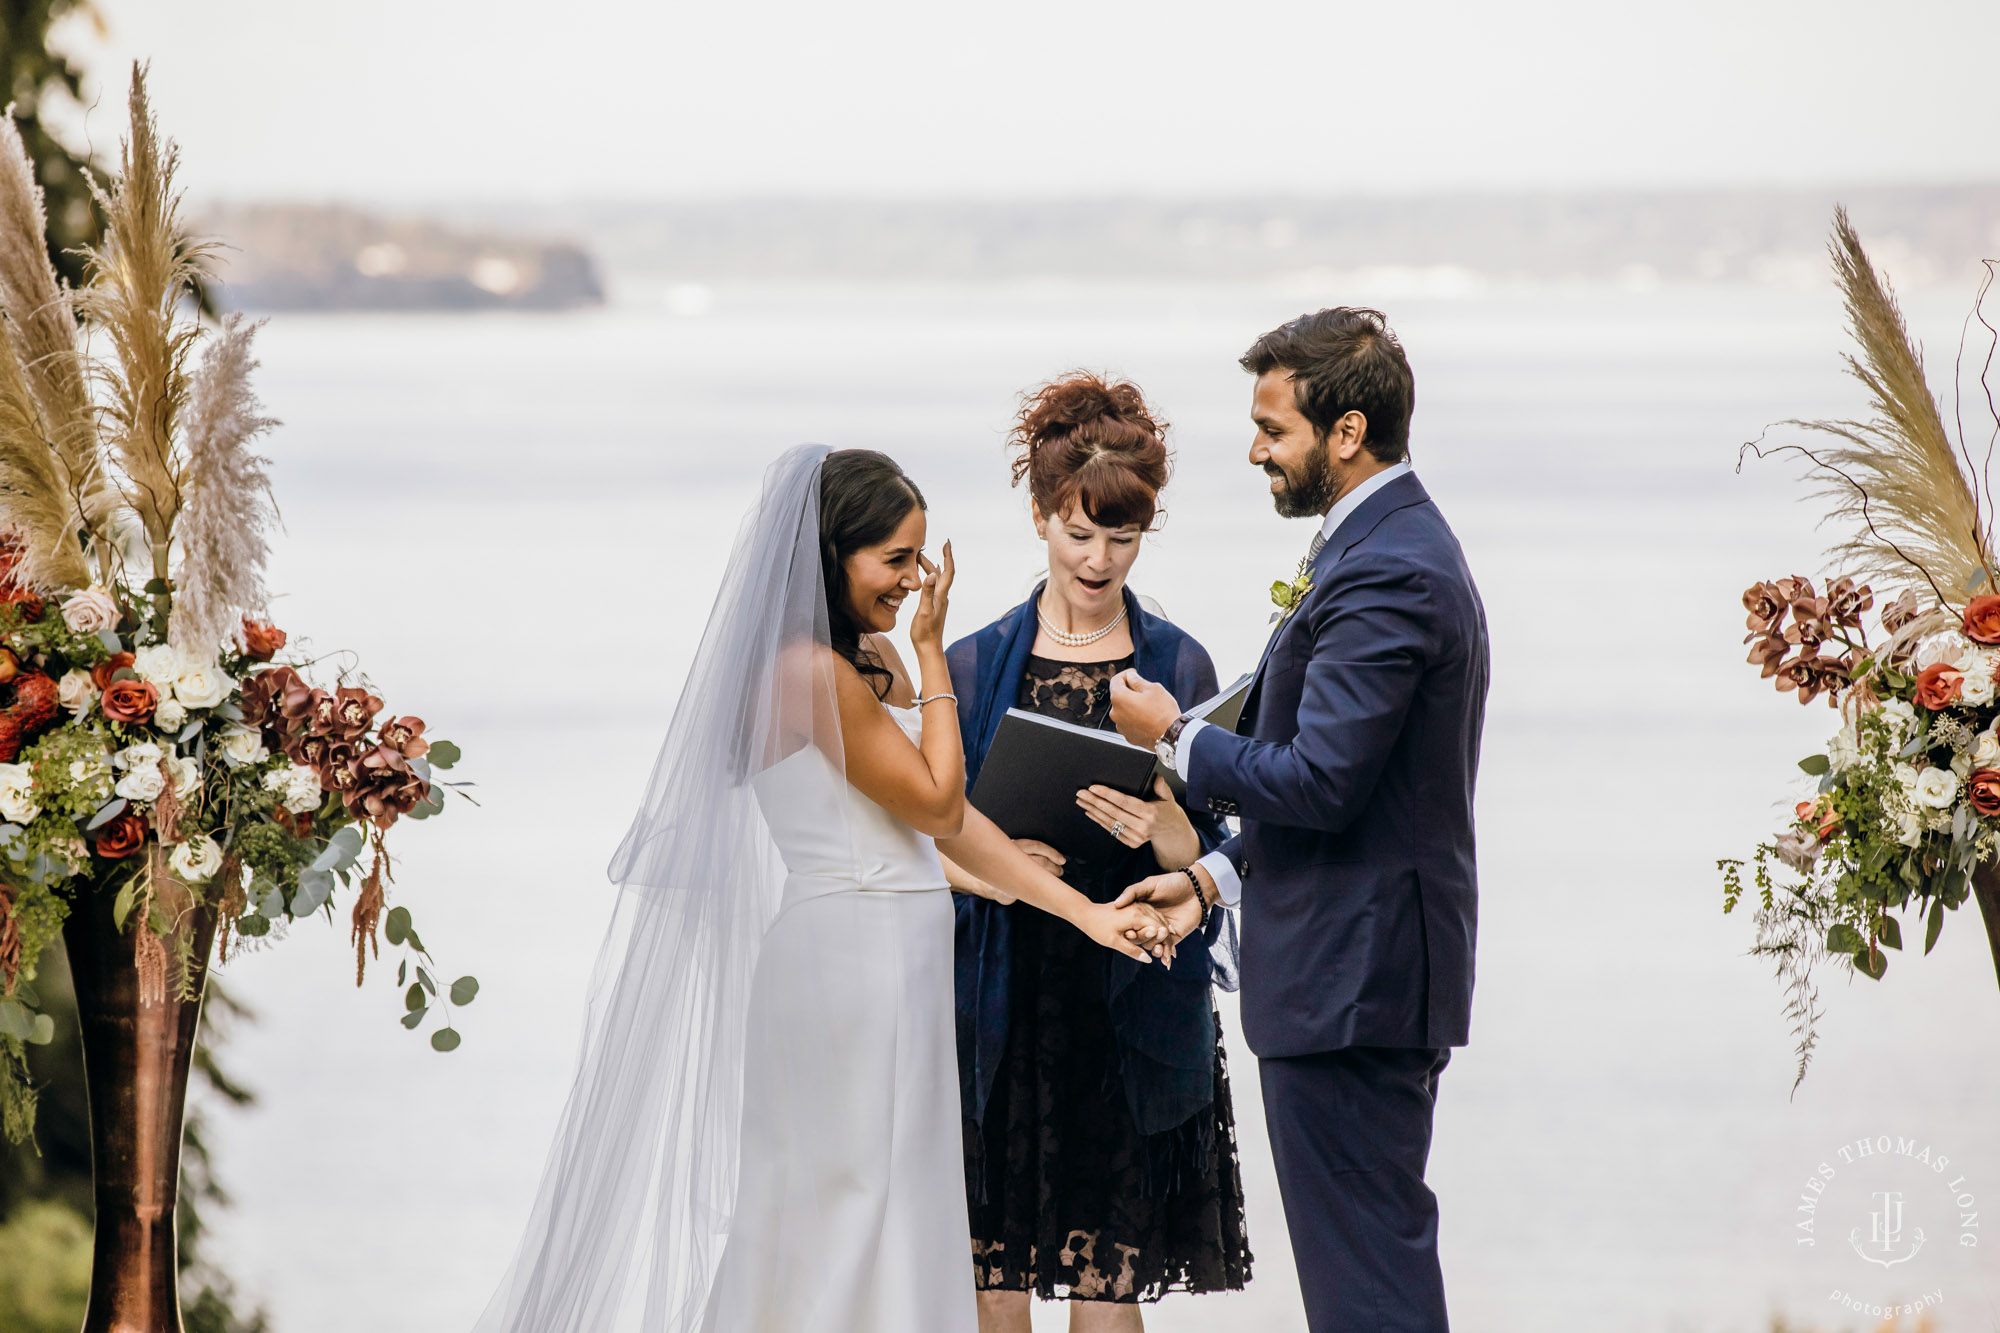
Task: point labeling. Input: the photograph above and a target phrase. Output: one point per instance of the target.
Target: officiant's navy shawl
(1163, 1017)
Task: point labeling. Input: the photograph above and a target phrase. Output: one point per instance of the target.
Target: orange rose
(1983, 790)
(1982, 618)
(101, 674)
(122, 836)
(130, 701)
(261, 640)
(1822, 811)
(1938, 686)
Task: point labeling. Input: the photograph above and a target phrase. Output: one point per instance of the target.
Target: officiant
(1100, 1143)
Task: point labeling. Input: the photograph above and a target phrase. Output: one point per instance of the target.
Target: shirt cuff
(1184, 747)
(1228, 884)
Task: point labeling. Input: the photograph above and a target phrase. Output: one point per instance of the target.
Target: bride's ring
(1117, 828)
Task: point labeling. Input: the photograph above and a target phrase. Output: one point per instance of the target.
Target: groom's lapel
(1401, 493)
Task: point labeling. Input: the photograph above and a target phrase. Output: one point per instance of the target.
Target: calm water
(517, 523)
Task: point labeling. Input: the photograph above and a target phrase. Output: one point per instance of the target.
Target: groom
(1352, 775)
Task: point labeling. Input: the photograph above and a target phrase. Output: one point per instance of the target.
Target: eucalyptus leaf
(1915, 744)
(256, 925)
(15, 1021)
(1972, 584)
(424, 980)
(421, 767)
(444, 1039)
(443, 754)
(414, 1017)
(272, 904)
(315, 887)
(402, 972)
(396, 927)
(1871, 963)
(190, 731)
(42, 1031)
(413, 999)
(1933, 925)
(122, 905)
(1815, 764)
(465, 990)
(1843, 938)
(27, 994)
(228, 710)
(109, 638)
(107, 812)
(1889, 931)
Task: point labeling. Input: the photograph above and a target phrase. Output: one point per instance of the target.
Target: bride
(763, 1134)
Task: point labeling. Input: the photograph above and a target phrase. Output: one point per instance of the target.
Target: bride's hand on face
(933, 600)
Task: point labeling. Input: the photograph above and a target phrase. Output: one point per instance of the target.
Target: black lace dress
(1067, 1199)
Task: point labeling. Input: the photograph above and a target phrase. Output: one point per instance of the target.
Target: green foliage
(44, 1269)
(34, 77)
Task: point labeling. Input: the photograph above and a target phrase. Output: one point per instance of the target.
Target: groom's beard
(1312, 491)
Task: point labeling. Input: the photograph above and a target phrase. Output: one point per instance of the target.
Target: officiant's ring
(1117, 828)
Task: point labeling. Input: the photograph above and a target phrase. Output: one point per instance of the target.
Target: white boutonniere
(1287, 596)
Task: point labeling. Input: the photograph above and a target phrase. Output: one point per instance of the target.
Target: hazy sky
(507, 98)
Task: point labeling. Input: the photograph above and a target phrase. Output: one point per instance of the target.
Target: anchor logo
(1885, 1232)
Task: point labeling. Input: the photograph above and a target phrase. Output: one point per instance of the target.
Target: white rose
(1906, 775)
(196, 859)
(1899, 717)
(241, 747)
(142, 784)
(302, 791)
(92, 776)
(1909, 828)
(1986, 749)
(90, 611)
(202, 685)
(144, 755)
(1843, 749)
(1976, 688)
(1961, 764)
(1943, 648)
(186, 773)
(169, 715)
(1936, 788)
(17, 793)
(76, 691)
(159, 665)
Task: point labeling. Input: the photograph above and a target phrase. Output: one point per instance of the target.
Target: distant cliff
(296, 257)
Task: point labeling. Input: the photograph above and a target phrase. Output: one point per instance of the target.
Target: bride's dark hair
(863, 498)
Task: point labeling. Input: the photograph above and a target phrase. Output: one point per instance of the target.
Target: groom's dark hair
(1344, 360)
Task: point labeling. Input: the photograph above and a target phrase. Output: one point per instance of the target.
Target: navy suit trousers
(1351, 1132)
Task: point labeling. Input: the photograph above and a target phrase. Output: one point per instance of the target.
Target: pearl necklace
(1068, 640)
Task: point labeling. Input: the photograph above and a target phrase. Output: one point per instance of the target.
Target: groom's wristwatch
(1170, 741)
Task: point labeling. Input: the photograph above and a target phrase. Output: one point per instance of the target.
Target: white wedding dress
(850, 1209)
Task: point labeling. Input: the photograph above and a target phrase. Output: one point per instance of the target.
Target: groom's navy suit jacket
(1353, 772)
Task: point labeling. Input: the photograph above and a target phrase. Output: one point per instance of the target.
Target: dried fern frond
(35, 506)
(228, 498)
(46, 339)
(141, 277)
(1898, 474)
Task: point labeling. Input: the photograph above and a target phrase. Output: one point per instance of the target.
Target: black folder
(1038, 764)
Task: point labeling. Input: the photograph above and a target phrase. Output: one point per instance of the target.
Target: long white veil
(635, 1202)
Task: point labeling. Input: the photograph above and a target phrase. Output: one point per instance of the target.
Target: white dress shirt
(1228, 884)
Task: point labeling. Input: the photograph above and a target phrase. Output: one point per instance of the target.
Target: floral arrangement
(1904, 822)
(157, 746)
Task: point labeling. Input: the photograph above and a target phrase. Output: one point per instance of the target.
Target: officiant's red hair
(1090, 441)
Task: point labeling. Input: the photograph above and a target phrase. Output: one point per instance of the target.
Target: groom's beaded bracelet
(1199, 896)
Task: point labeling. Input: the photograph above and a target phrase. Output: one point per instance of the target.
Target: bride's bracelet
(923, 699)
